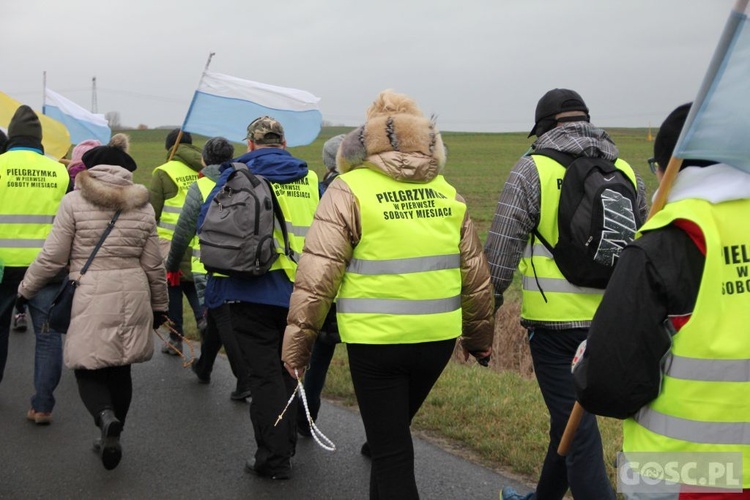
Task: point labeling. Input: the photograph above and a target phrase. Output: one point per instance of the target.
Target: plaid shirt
(519, 206)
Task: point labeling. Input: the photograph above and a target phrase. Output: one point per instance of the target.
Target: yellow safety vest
(31, 188)
(182, 176)
(298, 201)
(205, 185)
(704, 403)
(403, 284)
(565, 302)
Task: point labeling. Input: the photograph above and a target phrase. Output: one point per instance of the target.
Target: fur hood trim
(111, 187)
(394, 124)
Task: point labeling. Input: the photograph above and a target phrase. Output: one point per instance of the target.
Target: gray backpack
(236, 237)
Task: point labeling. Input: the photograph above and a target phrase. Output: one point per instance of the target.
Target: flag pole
(179, 134)
(665, 186)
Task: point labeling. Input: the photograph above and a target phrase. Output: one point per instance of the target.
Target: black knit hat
(554, 102)
(666, 139)
(25, 123)
(172, 138)
(108, 155)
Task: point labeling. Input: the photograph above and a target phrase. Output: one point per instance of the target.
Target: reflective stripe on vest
(405, 266)
(703, 405)
(205, 185)
(31, 188)
(709, 370)
(298, 201)
(564, 301)
(403, 283)
(182, 176)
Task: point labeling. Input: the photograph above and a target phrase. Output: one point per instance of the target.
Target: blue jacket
(273, 288)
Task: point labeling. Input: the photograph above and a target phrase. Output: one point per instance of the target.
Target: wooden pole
(179, 135)
(665, 186)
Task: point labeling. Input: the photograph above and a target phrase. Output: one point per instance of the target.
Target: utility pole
(94, 104)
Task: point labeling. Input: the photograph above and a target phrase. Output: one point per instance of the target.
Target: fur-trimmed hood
(396, 140)
(111, 187)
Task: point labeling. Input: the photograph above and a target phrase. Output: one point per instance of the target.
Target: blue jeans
(48, 353)
(583, 469)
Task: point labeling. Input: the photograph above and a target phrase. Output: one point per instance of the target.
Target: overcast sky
(477, 65)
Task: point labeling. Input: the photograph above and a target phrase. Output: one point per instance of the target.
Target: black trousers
(259, 330)
(391, 383)
(219, 332)
(109, 388)
(175, 305)
(583, 469)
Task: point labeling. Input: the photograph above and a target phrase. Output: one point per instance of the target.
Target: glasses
(653, 165)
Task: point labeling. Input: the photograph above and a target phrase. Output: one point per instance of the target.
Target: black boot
(110, 449)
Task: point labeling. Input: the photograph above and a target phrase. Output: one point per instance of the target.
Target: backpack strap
(564, 159)
(279, 214)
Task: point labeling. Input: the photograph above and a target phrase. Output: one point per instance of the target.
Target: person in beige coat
(123, 295)
(393, 243)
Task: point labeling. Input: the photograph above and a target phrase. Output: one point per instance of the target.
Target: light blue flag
(81, 123)
(224, 106)
(718, 126)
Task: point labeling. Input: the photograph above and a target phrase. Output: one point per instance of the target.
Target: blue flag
(81, 123)
(224, 106)
(718, 126)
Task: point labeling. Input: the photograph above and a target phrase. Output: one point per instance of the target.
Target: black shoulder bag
(58, 318)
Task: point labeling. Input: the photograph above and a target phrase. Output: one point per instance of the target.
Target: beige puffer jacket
(336, 231)
(111, 320)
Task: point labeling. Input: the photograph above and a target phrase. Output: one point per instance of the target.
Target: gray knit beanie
(330, 148)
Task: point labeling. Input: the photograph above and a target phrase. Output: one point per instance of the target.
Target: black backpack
(236, 236)
(597, 216)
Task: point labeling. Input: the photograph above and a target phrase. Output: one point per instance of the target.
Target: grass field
(494, 416)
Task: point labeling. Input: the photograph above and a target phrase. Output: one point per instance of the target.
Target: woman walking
(121, 297)
(392, 240)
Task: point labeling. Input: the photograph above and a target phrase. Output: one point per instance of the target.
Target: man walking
(555, 312)
(258, 306)
(672, 360)
(169, 185)
(31, 188)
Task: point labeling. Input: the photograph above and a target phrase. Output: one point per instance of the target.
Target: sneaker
(280, 475)
(240, 394)
(510, 493)
(202, 379)
(174, 350)
(39, 417)
(19, 322)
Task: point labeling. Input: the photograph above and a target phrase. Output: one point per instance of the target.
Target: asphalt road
(184, 440)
